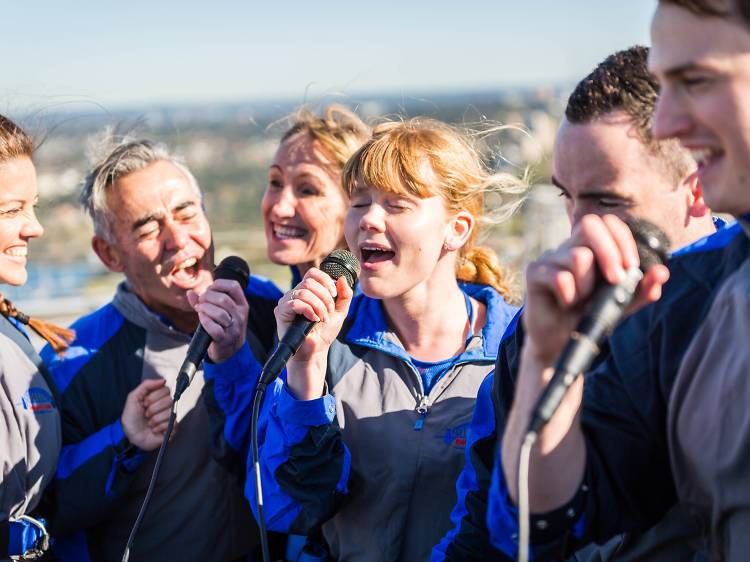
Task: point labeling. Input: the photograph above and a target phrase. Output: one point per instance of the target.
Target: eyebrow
(146, 219)
(157, 216)
(557, 184)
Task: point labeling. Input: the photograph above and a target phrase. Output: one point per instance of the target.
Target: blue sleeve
(233, 382)
(92, 475)
(304, 463)
(469, 538)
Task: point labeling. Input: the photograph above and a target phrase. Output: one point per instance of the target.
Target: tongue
(185, 274)
(376, 257)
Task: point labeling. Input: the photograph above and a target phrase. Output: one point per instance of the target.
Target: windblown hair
(394, 160)
(715, 8)
(340, 132)
(623, 83)
(116, 159)
(14, 141)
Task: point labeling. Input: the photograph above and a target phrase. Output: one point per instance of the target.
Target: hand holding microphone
(562, 287)
(222, 311)
(308, 319)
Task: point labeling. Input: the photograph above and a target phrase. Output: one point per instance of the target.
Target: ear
(458, 230)
(696, 205)
(108, 253)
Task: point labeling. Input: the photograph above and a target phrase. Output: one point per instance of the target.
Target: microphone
(608, 305)
(231, 267)
(339, 263)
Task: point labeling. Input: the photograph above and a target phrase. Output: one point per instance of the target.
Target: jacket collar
(133, 309)
(370, 328)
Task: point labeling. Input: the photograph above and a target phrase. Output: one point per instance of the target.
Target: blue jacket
(343, 461)
(628, 484)
(101, 477)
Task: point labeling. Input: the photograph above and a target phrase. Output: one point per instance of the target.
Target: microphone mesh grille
(233, 267)
(341, 262)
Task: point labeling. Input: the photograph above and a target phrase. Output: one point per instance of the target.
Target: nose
(283, 204)
(373, 219)
(32, 228)
(175, 235)
(671, 117)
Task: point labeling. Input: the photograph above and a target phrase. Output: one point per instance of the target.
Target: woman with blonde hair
(31, 433)
(363, 436)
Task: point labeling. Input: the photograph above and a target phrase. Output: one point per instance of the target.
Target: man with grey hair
(117, 378)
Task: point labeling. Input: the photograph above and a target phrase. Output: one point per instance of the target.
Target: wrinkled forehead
(681, 39)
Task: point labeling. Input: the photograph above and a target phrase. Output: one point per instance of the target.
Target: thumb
(345, 295)
(192, 298)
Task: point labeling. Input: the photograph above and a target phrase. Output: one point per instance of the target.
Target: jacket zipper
(424, 403)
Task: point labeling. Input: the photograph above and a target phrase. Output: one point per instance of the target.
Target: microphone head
(233, 267)
(653, 244)
(341, 263)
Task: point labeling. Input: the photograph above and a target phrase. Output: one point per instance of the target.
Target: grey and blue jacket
(374, 461)
(30, 434)
(198, 511)
(628, 483)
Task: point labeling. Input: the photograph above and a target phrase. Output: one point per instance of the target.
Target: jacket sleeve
(627, 484)
(228, 393)
(92, 475)
(304, 463)
(469, 538)
(97, 462)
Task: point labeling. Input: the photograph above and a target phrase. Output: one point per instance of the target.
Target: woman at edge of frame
(30, 426)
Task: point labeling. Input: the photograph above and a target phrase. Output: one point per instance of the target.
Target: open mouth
(18, 253)
(704, 157)
(374, 254)
(287, 232)
(186, 270)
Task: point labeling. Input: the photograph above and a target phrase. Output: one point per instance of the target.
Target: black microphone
(231, 267)
(608, 305)
(339, 263)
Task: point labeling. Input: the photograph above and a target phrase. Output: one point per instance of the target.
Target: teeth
(190, 262)
(374, 249)
(288, 231)
(702, 155)
(16, 252)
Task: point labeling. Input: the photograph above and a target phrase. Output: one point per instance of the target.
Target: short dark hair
(621, 82)
(715, 8)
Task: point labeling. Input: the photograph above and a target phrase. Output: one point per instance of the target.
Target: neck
(430, 319)
(186, 321)
(696, 229)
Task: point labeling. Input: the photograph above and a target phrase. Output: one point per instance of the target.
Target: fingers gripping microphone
(339, 263)
(231, 267)
(607, 308)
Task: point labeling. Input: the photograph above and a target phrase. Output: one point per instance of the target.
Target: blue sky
(137, 51)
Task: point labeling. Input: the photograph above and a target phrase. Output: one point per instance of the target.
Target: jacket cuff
(306, 413)
(239, 365)
(549, 531)
(128, 456)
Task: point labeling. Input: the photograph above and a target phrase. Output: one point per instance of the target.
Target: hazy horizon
(139, 54)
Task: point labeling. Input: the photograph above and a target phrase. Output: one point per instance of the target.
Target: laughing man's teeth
(17, 252)
(190, 262)
(288, 231)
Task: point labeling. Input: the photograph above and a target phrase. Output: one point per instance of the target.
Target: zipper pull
(423, 408)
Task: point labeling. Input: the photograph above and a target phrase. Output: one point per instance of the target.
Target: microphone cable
(233, 268)
(608, 306)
